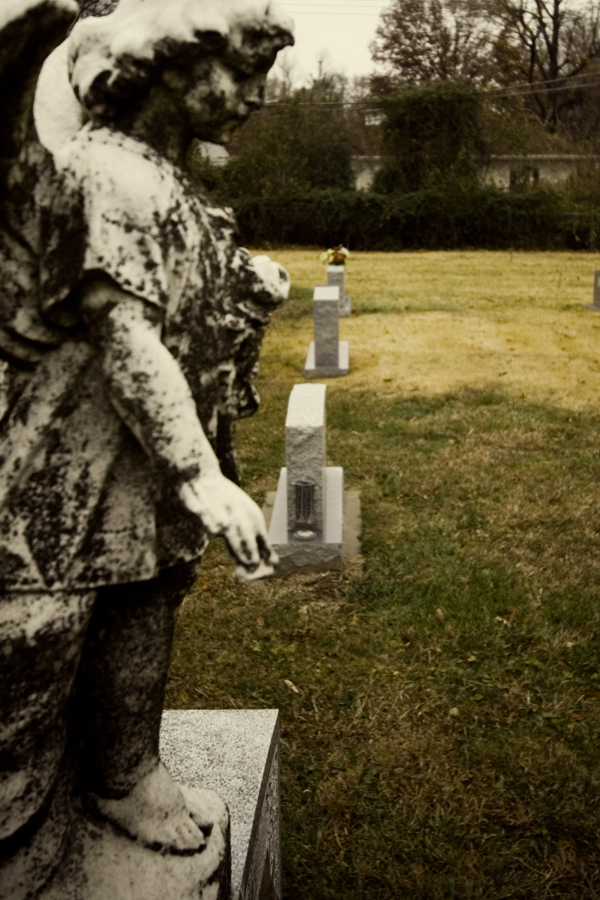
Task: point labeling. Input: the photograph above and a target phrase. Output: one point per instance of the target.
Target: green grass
(443, 740)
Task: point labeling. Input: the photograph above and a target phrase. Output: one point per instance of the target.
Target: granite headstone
(336, 278)
(595, 304)
(307, 523)
(327, 356)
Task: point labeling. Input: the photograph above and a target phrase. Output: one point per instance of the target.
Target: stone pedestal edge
(343, 367)
(235, 753)
(351, 549)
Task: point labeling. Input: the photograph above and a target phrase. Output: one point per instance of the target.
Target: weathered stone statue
(131, 324)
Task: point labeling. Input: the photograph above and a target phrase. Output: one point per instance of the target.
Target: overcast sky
(344, 29)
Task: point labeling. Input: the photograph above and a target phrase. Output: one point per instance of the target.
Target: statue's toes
(182, 837)
(189, 837)
(206, 809)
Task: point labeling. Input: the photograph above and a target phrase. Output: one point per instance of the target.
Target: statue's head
(212, 55)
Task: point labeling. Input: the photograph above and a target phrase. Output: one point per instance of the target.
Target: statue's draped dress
(82, 503)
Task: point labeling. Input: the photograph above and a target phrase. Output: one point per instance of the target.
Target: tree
(548, 51)
(420, 41)
(281, 81)
(301, 141)
(298, 144)
(551, 46)
(432, 137)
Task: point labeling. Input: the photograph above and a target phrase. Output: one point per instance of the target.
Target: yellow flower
(335, 256)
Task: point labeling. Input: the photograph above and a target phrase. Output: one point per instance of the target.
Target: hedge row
(484, 218)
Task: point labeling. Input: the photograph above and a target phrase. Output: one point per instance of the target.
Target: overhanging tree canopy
(551, 47)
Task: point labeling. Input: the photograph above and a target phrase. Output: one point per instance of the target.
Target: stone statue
(130, 325)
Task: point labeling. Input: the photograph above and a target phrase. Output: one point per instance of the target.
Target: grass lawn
(442, 740)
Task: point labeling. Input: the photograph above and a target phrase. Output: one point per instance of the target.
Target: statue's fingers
(245, 551)
(267, 554)
(261, 571)
(250, 552)
(260, 536)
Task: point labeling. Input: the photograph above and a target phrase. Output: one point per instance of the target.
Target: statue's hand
(227, 511)
(274, 277)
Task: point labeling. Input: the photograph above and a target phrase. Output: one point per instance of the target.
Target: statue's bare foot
(156, 814)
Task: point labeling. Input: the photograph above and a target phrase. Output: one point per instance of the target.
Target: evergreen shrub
(434, 219)
(432, 137)
(292, 147)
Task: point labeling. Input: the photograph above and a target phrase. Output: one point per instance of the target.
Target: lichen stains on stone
(116, 207)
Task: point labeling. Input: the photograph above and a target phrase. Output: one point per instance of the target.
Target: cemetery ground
(440, 705)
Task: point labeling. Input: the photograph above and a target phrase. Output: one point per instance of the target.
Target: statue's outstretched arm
(152, 396)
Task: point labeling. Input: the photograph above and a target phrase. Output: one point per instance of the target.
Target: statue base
(101, 863)
(235, 753)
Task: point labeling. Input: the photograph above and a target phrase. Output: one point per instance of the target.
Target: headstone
(305, 458)
(596, 301)
(327, 356)
(308, 514)
(335, 278)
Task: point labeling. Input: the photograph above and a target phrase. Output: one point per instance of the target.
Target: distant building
(516, 172)
(215, 153)
(374, 117)
(364, 169)
(510, 173)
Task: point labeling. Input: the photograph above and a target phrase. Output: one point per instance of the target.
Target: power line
(302, 7)
(493, 94)
(308, 3)
(366, 5)
(301, 12)
(336, 9)
(520, 89)
(541, 90)
(560, 79)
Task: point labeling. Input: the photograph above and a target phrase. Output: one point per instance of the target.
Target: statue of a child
(129, 363)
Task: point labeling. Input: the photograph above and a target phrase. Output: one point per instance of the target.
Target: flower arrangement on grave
(335, 256)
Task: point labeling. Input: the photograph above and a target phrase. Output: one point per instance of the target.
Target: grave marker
(308, 514)
(335, 278)
(202, 747)
(327, 356)
(596, 301)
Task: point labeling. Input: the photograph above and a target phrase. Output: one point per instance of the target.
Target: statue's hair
(116, 57)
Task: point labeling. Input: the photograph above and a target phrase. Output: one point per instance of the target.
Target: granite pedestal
(335, 278)
(351, 549)
(100, 862)
(307, 521)
(235, 753)
(596, 301)
(327, 357)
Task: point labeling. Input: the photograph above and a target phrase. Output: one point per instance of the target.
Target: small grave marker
(327, 357)
(596, 301)
(335, 278)
(308, 514)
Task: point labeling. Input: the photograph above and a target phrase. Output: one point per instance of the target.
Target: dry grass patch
(433, 322)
